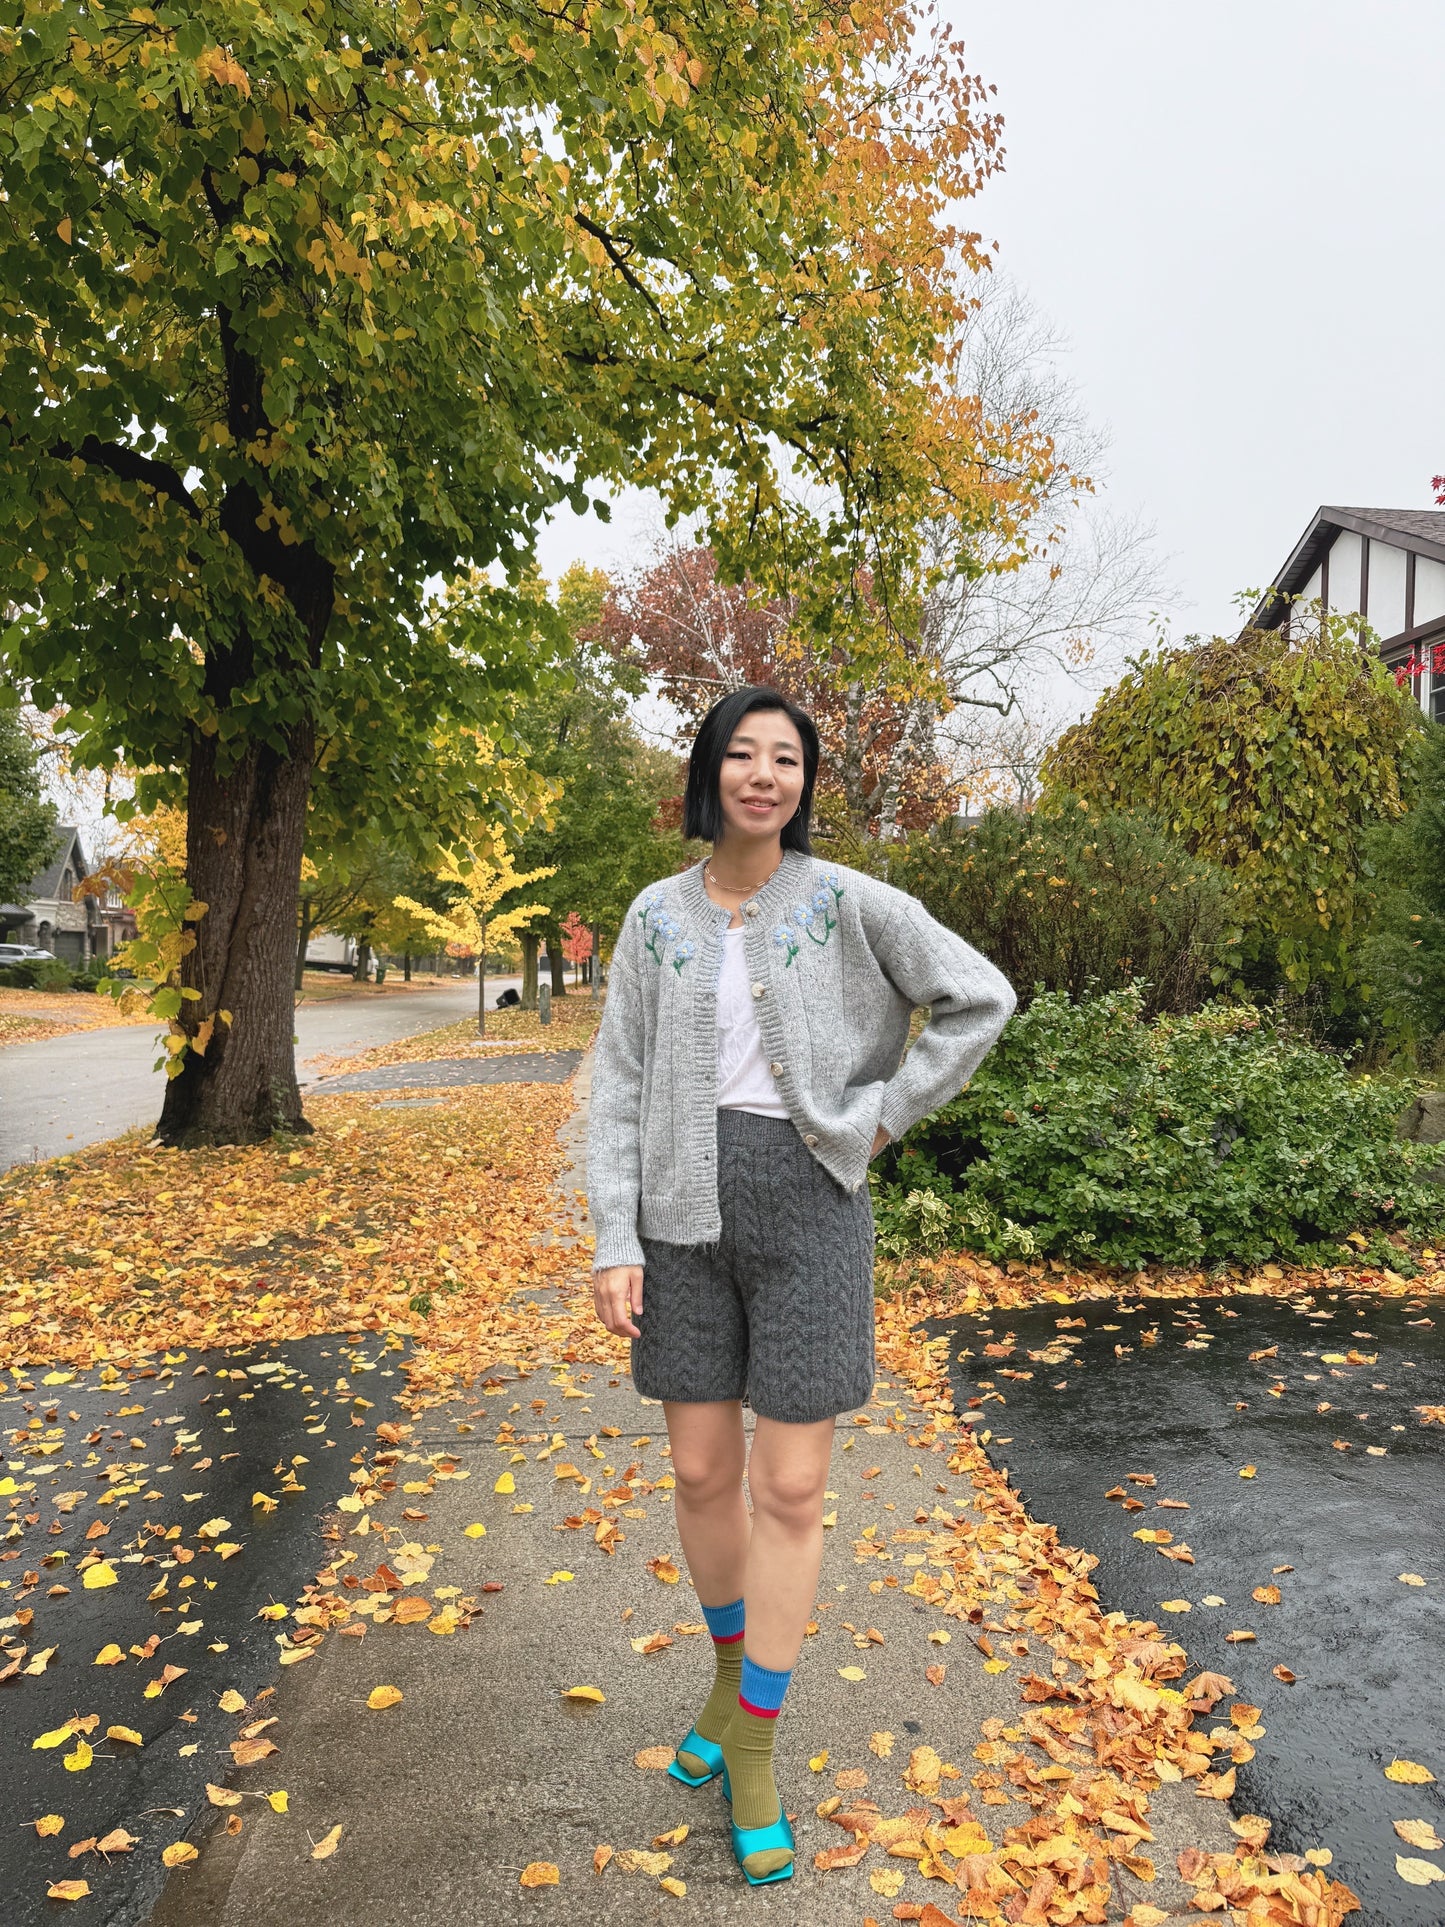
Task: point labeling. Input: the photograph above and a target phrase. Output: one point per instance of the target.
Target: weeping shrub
(1091, 1133)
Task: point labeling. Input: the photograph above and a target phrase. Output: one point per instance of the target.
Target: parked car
(24, 952)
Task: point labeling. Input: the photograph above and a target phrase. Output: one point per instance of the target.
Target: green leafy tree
(27, 821)
(605, 841)
(1268, 755)
(1404, 954)
(307, 307)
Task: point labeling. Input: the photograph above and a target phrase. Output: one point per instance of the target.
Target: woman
(747, 1070)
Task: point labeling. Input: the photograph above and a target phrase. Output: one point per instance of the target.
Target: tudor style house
(1387, 565)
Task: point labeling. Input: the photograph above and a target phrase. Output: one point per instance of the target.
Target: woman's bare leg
(712, 1522)
(787, 1474)
(708, 1453)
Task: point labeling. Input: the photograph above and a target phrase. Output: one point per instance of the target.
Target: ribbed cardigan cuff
(617, 1244)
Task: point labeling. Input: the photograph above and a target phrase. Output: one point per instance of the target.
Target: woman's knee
(793, 1495)
(706, 1468)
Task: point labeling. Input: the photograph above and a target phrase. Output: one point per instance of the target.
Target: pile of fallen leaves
(27, 1016)
(961, 1281)
(388, 1217)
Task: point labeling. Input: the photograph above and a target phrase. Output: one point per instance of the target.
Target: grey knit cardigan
(837, 962)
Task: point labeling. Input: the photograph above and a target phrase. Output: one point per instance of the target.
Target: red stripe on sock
(725, 1639)
(762, 1712)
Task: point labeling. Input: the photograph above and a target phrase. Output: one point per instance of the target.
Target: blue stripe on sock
(724, 1622)
(762, 1686)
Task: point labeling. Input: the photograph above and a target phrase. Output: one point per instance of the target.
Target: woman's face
(760, 783)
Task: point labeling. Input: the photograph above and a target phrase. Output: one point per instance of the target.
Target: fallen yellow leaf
(539, 1873)
(506, 1483)
(80, 1759)
(68, 1890)
(102, 1573)
(109, 1656)
(177, 1854)
(223, 1796)
(231, 1701)
(1416, 1833)
(278, 1800)
(1409, 1773)
(475, 1532)
(593, 1693)
(819, 1761)
(380, 1697)
(1419, 1873)
(126, 1733)
(57, 1736)
(324, 1849)
(851, 1672)
(557, 1579)
(671, 1885)
(49, 1823)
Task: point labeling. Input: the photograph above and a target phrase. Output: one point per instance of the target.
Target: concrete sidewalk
(483, 1768)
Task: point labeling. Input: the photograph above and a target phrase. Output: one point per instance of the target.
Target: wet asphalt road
(63, 1093)
(183, 1454)
(1073, 1401)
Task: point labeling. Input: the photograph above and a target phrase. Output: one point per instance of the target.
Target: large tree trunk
(559, 967)
(531, 943)
(244, 836)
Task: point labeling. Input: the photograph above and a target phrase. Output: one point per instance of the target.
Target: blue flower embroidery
(814, 919)
(661, 928)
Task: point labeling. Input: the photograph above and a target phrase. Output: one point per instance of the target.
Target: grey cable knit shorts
(780, 1311)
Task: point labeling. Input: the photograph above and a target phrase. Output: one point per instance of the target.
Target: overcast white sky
(1234, 213)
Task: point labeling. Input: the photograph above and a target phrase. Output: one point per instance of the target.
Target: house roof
(67, 840)
(1420, 530)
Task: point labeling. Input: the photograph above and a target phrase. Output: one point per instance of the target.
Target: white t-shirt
(744, 1082)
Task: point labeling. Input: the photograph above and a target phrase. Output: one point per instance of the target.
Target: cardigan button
(809, 1139)
(776, 1069)
(750, 909)
(760, 990)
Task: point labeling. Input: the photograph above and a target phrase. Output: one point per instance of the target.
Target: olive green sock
(721, 1703)
(748, 1750)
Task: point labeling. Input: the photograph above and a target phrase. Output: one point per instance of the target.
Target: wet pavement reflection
(152, 1518)
(1273, 1470)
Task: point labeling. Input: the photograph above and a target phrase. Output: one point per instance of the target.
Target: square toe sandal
(748, 1841)
(708, 1751)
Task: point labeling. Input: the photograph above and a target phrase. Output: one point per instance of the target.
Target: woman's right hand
(616, 1292)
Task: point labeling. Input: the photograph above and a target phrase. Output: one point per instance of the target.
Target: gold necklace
(730, 889)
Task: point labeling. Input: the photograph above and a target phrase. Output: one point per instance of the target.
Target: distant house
(55, 917)
(1387, 565)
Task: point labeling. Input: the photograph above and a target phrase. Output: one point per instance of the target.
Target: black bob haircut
(702, 815)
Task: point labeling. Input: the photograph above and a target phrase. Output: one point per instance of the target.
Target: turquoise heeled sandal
(750, 1840)
(701, 1749)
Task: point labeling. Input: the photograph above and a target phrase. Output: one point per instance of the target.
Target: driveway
(66, 1092)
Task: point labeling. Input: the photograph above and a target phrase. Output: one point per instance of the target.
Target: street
(66, 1092)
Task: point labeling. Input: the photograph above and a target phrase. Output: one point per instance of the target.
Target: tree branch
(619, 261)
(131, 467)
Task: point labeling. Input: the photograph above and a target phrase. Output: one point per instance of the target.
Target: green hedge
(1090, 1133)
(1071, 899)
